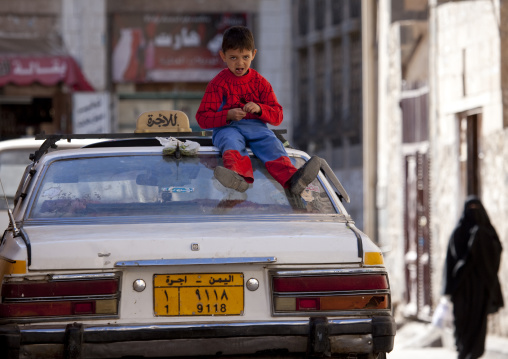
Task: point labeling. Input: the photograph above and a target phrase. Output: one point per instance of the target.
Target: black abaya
(472, 263)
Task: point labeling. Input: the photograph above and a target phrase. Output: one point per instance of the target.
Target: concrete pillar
(369, 12)
(84, 35)
(275, 53)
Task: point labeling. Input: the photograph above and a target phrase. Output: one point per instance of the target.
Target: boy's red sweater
(227, 91)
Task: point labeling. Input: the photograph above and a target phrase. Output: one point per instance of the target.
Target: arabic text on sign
(198, 280)
(198, 294)
(162, 121)
(34, 68)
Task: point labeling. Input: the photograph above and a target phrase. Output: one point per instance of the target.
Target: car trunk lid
(102, 246)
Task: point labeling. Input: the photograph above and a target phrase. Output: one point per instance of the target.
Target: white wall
(84, 35)
(390, 166)
(465, 72)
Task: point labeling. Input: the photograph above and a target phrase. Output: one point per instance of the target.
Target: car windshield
(154, 185)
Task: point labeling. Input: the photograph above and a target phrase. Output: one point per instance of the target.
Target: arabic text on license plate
(198, 294)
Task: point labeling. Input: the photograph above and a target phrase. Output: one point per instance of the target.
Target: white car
(129, 249)
(14, 158)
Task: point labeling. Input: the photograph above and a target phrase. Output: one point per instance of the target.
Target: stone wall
(467, 78)
(390, 180)
(464, 75)
(495, 198)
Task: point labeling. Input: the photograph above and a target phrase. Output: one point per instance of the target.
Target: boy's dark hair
(237, 37)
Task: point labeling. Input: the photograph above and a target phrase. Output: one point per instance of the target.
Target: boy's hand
(236, 114)
(253, 108)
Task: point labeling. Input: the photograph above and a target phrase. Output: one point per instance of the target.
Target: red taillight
(41, 309)
(326, 293)
(59, 289)
(84, 308)
(329, 283)
(307, 303)
(60, 298)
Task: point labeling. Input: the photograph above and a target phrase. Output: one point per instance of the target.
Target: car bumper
(316, 337)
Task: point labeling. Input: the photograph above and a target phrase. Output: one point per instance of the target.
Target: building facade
(442, 136)
(141, 55)
(327, 56)
(36, 70)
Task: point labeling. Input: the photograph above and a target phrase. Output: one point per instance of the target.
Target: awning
(44, 69)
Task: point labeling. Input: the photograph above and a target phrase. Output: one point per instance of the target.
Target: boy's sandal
(230, 179)
(305, 175)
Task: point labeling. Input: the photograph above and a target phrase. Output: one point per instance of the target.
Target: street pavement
(417, 340)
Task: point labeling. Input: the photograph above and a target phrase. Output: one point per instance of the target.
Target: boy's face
(238, 60)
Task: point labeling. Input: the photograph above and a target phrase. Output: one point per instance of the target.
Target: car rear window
(154, 185)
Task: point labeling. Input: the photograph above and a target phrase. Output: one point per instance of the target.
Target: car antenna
(11, 216)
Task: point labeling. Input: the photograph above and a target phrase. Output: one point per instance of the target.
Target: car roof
(33, 143)
(133, 148)
(134, 140)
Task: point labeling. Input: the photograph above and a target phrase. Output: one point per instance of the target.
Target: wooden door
(417, 244)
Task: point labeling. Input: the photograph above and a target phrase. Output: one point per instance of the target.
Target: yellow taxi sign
(162, 121)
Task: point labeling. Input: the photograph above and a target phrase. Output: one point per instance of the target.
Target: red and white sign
(46, 70)
(166, 48)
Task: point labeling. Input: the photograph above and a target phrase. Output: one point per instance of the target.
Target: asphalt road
(415, 340)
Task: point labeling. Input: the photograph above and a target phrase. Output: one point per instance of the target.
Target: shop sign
(169, 48)
(91, 113)
(46, 70)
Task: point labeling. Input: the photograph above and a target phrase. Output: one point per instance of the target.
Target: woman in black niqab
(472, 262)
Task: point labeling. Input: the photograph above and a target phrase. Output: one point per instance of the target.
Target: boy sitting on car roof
(237, 104)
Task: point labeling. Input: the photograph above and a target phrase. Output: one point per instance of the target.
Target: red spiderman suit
(227, 91)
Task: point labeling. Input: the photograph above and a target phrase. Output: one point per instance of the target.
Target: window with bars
(355, 97)
(303, 20)
(319, 91)
(329, 74)
(303, 88)
(319, 14)
(337, 12)
(355, 9)
(337, 95)
(414, 106)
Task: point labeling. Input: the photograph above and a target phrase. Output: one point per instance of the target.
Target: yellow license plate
(198, 294)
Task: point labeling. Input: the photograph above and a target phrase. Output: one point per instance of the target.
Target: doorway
(417, 243)
(22, 116)
(469, 154)
(417, 238)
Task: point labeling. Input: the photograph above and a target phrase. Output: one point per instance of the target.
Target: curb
(415, 334)
(496, 344)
